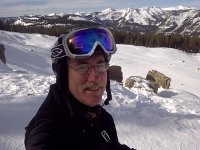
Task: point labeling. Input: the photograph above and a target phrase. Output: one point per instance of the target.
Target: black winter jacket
(66, 124)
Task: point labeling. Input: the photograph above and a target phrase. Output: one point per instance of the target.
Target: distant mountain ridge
(179, 19)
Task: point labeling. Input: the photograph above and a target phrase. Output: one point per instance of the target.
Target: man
(71, 117)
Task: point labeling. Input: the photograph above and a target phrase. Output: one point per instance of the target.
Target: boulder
(141, 83)
(159, 78)
(2, 54)
(154, 86)
(130, 82)
(115, 73)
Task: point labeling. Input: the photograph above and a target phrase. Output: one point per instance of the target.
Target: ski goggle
(82, 43)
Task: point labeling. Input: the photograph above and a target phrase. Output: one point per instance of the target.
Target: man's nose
(93, 75)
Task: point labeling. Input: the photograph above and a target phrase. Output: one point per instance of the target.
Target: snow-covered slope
(4, 67)
(144, 120)
(22, 49)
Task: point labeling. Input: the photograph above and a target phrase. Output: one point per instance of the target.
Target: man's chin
(93, 100)
(93, 97)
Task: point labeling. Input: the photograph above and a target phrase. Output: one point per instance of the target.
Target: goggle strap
(108, 90)
(58, 51)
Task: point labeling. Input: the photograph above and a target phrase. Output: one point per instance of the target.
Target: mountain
(149, 19)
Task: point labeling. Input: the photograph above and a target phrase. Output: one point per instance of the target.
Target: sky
(168, 120)
(11, 8)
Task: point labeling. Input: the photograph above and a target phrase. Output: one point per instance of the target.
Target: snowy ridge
(148, 19)
(180, 7)
(77, 18)
(144, 120)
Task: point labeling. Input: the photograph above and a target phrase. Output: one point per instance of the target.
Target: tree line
(187, 43)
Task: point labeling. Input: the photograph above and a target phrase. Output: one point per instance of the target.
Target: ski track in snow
(133, 114)
(139, 118)
(18, 85)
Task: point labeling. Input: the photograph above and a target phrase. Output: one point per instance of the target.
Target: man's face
(88, 87)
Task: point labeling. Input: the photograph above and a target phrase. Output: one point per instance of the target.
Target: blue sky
(10, 8)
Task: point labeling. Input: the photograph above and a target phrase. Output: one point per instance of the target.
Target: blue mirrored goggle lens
(82, 42)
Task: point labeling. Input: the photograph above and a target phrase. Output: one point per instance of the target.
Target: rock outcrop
(159, 78)
(116, 73)
(2, 54)
(141, 83)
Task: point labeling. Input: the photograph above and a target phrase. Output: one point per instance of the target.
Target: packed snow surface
(169, 120)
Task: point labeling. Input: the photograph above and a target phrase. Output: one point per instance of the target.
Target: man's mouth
(93, 88)
(90, 86)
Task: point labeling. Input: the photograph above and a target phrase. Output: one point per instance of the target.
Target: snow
(140, 16)
(4, 67)
(55, 14)
(144, 120)
(108, 10)
(173, 19)
(33, 18)
(180, 7)
(179, 20)
(20, 22)
(78, 18)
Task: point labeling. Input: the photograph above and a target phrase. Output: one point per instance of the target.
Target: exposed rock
(130, 82)
(2, 54)
(115, 73)
(141, 83)
(159, 78)
(154, 86)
